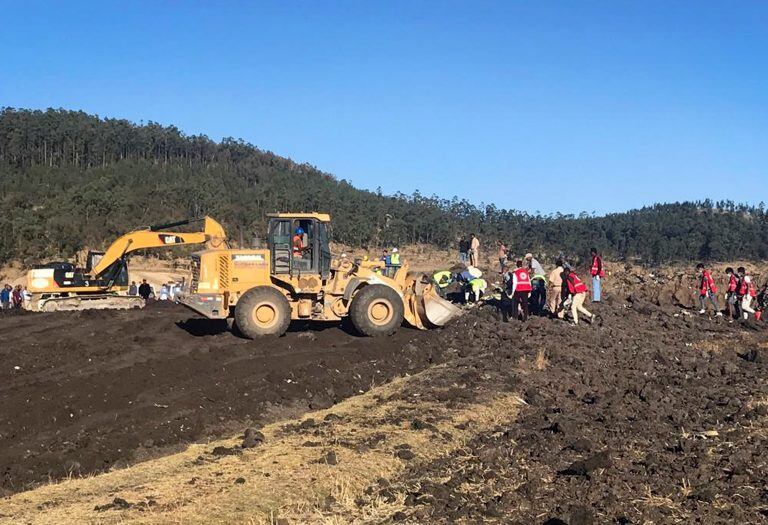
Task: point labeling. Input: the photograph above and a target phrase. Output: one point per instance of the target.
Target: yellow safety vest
(394, 259)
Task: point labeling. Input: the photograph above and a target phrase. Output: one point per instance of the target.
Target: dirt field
(88, 391)
(657, 415)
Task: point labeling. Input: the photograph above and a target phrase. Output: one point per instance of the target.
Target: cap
(529, 256)
(394, 250)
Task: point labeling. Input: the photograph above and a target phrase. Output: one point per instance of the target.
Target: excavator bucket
(424, 308)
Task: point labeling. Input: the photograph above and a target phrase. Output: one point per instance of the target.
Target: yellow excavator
(104, 281)
(296, 278)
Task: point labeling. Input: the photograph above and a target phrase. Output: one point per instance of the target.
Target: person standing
(145, 290)
(474, 250)
(707, 290)
(577, 292)
(519, 288)
(394, 262)
(16, 297)
(731, 295)
(463, 250)
(5, 297)
(746, 293)
(538, 284)
(133, 289)
(556, 287)
(597, 272)
(502, 253)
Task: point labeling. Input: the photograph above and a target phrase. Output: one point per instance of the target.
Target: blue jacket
(5, 296)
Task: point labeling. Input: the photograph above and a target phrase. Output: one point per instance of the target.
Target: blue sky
(552, 106)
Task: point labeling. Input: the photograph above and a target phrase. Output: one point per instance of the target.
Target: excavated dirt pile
(656, 416)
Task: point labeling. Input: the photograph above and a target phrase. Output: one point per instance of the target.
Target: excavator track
(88, 302)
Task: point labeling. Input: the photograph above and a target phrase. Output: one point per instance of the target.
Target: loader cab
(299, 244)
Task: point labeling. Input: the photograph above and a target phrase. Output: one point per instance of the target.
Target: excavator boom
(63, 287)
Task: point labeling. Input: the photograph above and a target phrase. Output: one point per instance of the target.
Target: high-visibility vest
(478, 285)
(747, 287)
(298, 244)
(442, 279)
(394, 259)
(523, 279)
(575, 285)
(597, 267)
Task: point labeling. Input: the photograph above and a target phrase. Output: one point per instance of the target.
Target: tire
(376, 310)
(262, 311)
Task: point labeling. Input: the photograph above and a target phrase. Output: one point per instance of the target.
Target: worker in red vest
(298, 242)
(519, 290)
(597, 272)
(577, 294)
(707, 290)
(746, 292)
(733, 305)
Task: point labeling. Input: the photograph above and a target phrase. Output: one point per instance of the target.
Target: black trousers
(515, 306)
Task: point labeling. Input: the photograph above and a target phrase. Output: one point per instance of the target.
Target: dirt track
(95, 390)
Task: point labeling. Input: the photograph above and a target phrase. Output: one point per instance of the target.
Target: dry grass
(283, 478)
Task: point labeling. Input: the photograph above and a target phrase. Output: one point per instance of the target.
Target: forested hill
(69, 180)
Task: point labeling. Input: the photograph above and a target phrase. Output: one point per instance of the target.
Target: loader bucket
(424, 308)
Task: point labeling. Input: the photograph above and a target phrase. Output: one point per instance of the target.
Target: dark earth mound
(655, 417)
(82, 392)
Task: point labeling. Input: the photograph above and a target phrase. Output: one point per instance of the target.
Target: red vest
(597, 267)
(297, 244)
(746, 288)
(523, 280)
(707, 283)
(575, 285)
(733, 283)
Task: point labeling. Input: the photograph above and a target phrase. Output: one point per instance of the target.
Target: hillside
(70, 180)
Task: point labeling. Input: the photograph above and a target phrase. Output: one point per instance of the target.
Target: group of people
(13, 297)
(524, 286)
(741, 296)
(146, 291)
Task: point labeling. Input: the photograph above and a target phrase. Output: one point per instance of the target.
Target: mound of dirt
(655, 417)
(82, 392)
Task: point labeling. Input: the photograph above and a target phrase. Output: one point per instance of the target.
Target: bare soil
(82, 392)
(654, 415)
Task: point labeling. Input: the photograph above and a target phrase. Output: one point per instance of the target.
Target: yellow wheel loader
(296, 278)
(104, 281)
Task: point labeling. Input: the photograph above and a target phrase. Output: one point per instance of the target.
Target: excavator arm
(212, 236)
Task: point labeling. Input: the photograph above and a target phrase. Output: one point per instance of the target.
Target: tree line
(70, 180)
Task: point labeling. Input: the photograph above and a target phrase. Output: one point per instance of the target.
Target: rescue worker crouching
(442, 280)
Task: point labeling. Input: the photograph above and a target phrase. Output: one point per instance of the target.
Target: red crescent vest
(747, 288)
(733, 283)
(575, 285)
(707, 283)
(597, 267)
(523, 280)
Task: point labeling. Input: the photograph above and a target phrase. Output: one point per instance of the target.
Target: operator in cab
(298, 242)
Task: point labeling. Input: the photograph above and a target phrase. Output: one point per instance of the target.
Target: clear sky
(553, 106)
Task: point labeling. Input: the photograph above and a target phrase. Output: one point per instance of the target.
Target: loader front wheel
(262, 311)
(376, 310)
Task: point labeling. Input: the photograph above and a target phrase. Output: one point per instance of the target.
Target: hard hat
(299, 231)
(529, 256)
(474, 272)
(394, 250)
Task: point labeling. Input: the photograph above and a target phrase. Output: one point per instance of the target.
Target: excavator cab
(299, 244)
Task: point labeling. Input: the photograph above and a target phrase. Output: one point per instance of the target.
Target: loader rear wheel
(376, 310)
(262, 311)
